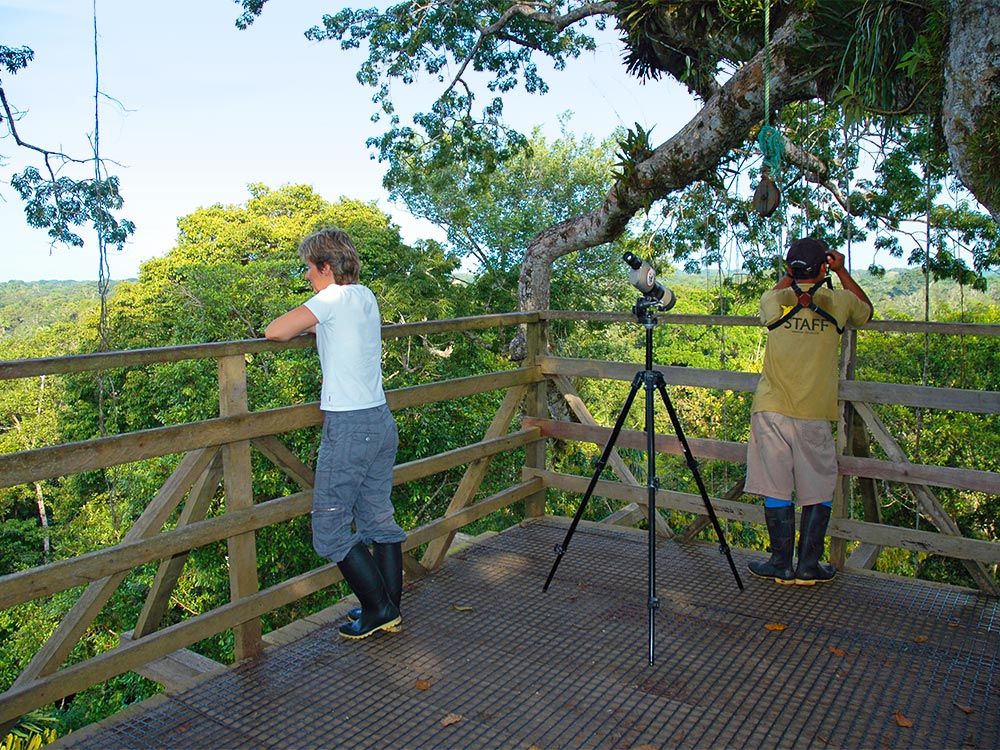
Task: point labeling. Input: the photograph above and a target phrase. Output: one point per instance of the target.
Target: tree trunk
(43, 518)
(971, 107)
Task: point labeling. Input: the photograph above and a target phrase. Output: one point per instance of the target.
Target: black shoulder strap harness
(805, 300)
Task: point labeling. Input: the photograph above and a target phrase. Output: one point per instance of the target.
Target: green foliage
(880, 56)
(30, 411)
(457, 46)
(940, 437)
(706, 35)
(62, 204)
(21, 543)
(406, 42)
(15, 59)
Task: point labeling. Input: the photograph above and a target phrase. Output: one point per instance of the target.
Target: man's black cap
(805, 257)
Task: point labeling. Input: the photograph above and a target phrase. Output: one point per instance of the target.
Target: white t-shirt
(349, 340)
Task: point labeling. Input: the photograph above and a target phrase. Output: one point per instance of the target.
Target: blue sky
(194, 110)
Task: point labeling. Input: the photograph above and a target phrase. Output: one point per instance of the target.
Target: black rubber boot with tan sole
(812, 537)
(389, 561)
(377, 610)
(781, 530)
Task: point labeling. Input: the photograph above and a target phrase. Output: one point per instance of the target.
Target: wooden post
(238, 482)
(535, 405)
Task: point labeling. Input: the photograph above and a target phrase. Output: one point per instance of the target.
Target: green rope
(769, 139)
(767, 62)
(772, 145)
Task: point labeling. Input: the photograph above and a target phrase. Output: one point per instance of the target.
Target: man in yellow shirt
(791, 454)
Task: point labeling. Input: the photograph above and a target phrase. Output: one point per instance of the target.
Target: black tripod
(644, 309)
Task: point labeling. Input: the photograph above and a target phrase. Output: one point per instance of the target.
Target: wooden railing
(218, 451)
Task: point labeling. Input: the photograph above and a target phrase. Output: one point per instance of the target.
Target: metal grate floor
(487, 660)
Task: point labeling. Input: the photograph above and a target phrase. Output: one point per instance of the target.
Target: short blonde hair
(332, 247)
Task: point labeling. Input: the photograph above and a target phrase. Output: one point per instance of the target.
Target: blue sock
(773, 502)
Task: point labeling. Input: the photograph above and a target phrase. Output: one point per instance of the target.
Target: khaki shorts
(788, 456)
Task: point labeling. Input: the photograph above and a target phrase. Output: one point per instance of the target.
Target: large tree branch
(816, 170)
(721, 125)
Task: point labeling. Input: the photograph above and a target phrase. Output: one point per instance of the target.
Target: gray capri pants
(354, 482)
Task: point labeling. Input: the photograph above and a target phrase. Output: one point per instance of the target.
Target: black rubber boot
(781, 529)
(812, 534)
(389, 561)
(377, 610)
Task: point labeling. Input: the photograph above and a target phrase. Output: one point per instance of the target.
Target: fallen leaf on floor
(837, 651)
(902, 720)
(965, 709)
(920, 639)
(450, 719)
(460, 608)
(775, 626)
(423, 685)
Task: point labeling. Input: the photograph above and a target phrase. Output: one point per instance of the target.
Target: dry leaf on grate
(902, 720)
(450, 719)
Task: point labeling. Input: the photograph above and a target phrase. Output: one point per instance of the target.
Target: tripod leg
(693, 465)
(601, 463)
(653, 485)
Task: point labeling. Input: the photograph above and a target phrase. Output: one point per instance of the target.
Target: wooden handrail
(28, 368)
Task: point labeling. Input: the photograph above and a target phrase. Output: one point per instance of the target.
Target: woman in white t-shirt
(352, 505)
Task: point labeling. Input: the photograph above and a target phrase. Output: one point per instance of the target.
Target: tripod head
(645, 310)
